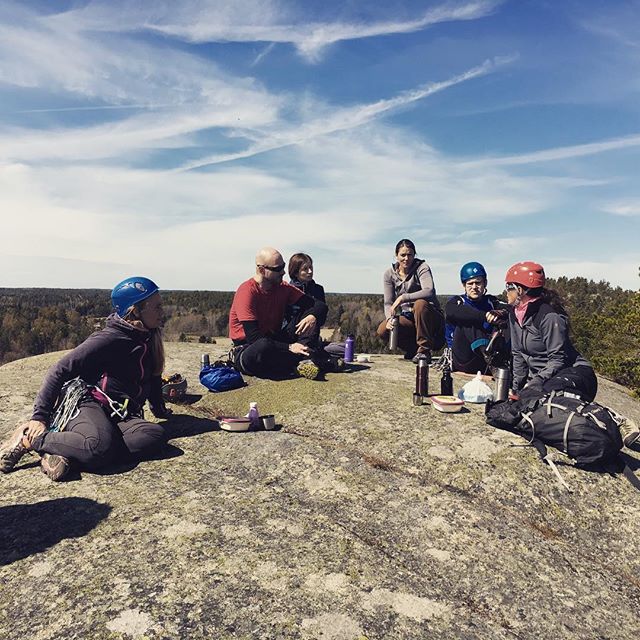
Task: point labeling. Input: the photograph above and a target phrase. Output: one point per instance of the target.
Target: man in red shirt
(262, 347)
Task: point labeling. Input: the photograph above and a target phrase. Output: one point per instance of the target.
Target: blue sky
(173, 139)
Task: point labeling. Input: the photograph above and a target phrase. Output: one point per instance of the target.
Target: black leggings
(465, 352)
(265, 359)
(94, 440)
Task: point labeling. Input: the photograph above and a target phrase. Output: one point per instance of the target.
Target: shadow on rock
(128, 462)
(188, 398)
(26, 529)
(352, 367)
(184, 426)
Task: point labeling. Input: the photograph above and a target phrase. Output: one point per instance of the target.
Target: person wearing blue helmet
(471, 320)
(89, 410)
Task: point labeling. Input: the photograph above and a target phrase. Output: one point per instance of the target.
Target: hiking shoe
(629, 432)
(54, 466)
(308, 369)
(329, 364)
(12, 449)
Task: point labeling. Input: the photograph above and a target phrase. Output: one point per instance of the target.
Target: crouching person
(472, 319)
(119, 368)
(262, 347)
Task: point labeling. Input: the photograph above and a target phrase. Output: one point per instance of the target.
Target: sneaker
(54, 466)
(308, 369)
(327, 363)
(12, 449)
(629, 432)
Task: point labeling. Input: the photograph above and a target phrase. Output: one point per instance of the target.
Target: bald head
(269, 256)
(269, 268)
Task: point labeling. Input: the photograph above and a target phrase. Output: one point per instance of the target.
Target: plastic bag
(476, 391)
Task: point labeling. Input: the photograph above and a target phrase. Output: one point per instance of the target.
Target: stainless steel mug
(502, 378)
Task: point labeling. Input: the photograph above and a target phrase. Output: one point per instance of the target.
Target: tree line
(605, 321)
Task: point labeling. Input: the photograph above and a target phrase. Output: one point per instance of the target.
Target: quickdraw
(67, 408)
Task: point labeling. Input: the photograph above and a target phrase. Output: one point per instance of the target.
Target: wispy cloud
(263, 54)
(626, 208)
(343, 119)
(560, 153)
(262, 21)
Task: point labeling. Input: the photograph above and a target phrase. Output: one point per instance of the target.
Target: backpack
(221, 378)
(585, 431)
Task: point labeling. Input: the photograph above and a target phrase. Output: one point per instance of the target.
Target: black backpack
(585, 431)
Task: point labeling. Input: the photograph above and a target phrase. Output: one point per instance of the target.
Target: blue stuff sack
(221, 378)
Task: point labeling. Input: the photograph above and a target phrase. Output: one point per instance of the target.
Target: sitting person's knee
(420, 306)
(382, 331)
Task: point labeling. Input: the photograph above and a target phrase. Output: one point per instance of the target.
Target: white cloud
(627, 208)
(345, 199)
(341, 119)
(560, 153)
(258, 21)
(53, 55)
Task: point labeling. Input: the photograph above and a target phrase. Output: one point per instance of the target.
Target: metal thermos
(393, 333)
(422, 376)
(446, 382)
(502, 379)
(349, 348)
(204, 360)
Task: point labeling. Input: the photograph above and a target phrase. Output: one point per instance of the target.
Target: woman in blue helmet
(120, 368)
(472, 318)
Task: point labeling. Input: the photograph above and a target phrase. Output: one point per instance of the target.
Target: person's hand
(162, 413)
(306, 325)
(390, 323)
(497, 316)
(395, 305)
(33, 429)
(299, 349)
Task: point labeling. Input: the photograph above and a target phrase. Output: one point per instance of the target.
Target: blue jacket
(462, 311)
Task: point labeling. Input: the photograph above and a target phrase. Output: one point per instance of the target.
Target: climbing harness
(119, 409)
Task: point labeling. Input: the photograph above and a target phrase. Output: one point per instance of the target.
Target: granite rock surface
(360, 517)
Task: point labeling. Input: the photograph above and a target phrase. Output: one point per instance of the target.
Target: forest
(605, 321)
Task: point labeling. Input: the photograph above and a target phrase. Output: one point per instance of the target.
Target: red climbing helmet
(527, 274)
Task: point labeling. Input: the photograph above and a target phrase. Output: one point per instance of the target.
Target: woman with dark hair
(544, 358)
(409, 292)
(300, 271)
(99, 414)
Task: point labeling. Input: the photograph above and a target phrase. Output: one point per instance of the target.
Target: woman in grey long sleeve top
(544, 358)
(410, 292)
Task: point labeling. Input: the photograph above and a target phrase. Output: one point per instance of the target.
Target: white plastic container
(235, 424)
(447, 404)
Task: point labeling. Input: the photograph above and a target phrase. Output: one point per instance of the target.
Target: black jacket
(116, 359)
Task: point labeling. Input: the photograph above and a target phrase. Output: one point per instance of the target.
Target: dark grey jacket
(541, 346)
(117, 359)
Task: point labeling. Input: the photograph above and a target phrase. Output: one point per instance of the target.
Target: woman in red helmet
(544, 359)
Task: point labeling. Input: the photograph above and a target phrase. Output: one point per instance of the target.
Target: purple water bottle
(348, 349)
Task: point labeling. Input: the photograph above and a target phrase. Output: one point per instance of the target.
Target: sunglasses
(511, 287)
(278, 269)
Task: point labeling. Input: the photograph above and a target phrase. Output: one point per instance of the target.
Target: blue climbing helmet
(472, 270)
(132, 291)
